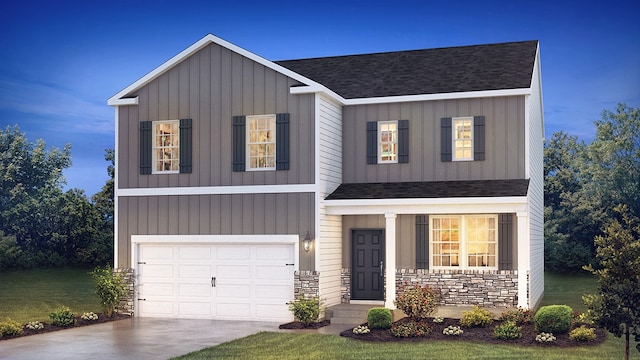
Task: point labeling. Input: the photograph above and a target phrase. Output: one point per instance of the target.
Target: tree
(616, 306)
(103, 202)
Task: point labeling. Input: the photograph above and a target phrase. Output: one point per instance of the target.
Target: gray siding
(504, 131)
(211, 87)
(246, 214)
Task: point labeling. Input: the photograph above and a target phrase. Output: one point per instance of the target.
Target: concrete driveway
(135, 338)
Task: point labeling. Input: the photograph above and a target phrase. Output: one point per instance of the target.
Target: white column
(523, 258)
(390, 259)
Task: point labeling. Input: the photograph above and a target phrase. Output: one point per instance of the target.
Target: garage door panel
(273, 312)
(233, 310)
(156, 289)
(195, 252)
(195, 309)
(194, 271)
(194, 290)
(157, 252)
(233, 271)
(233, 253)
(275, 272)
(157, 308)
(233, 291)
(273, 252)
(160, 271)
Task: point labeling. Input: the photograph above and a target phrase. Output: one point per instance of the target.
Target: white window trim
(463, 256)
(248, 144)
(380, 161)
(154, 156)
(453, 138)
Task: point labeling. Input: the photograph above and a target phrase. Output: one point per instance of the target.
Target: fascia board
(443, 96)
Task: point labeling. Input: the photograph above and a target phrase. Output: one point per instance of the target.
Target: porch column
(390, 259)
(523, 258)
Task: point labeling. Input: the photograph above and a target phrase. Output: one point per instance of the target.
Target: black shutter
(282, 141)
(445, 139)
(146, 138)
(372, 142)
(238, 140)
(478, 138)
(422, 241)
(505, 241)
(403, 141)
(186, 145)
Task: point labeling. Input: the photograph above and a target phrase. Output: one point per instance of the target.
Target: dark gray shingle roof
(429, 71)
(431, 189)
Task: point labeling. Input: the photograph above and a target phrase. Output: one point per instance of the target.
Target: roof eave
(441, 96)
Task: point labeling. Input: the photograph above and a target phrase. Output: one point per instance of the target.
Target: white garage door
(235, 282)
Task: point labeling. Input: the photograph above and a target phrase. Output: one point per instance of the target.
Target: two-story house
(242, 182)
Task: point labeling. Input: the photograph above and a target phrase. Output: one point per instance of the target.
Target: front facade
(242, 183)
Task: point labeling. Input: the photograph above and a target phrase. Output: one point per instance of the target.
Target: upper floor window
(261, 144)
(166, 146)
(388, 141)
(462, 138)
(464, 241)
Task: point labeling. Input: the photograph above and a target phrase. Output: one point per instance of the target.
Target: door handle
(381, 268)
(213, 281)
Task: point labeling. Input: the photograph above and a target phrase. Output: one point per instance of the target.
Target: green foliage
(305, 310)
(10, 252)
(110, 288)
(62, 316)
(411, 329)
(417, 302)
(555, 319)
(519, 316)
(379, 318)
(508, 330)
(10, 328)
(583, 333)
(476, 317)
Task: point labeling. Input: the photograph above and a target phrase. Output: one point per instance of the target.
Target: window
(261, 144)
(166, 146)
(388, 141)
(462, 138)
(465, 241)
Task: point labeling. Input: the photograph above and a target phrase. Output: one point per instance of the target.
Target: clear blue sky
(61, 60)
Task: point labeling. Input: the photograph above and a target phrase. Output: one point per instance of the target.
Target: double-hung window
(388, 141)
(464, 242)
(261, 144)
(462, 138)
(166, 147)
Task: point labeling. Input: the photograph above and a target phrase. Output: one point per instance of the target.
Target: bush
(379, 318)
(411, 329)
(554, 319)
(305, 310)
(10, 328)
(477, 317)
(417, 302)
(519, 316)
(508, 330)
(583, 333)
(62, 316)
(110, 288)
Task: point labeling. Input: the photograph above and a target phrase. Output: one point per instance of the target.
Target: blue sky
(61, 60)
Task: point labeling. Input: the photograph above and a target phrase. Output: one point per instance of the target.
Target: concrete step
(348, 313)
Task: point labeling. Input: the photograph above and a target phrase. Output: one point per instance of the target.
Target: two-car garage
(215, 277)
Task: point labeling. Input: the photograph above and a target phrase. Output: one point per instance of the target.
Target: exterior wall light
(307, 242)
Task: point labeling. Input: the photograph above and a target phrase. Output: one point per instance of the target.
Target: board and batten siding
(330, 177)
(536, 189)
(210, 87)
(504, 141)
(240, 214)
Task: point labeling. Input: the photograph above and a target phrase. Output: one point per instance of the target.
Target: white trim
(444, 96)
(154, 147)
(390, 259)
(115, 190)
(523, 258)
(218, 190)
(387, 122)
(124, 101)
(317, 198)
(248, 143)
(427, 206)
(216, 239)
(454, 120)
(527, 137)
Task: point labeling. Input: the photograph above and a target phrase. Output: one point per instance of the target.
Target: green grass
(559, 289)
(32, 295)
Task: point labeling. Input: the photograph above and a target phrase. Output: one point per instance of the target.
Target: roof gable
(429, 71)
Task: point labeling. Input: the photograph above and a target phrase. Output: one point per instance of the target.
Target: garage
(225, 281)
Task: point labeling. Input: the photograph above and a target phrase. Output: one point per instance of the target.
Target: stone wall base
(306, 284)
(127, 303)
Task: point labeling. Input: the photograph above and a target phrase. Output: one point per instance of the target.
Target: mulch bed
(296, 325)
(102, 318)
(484, 335)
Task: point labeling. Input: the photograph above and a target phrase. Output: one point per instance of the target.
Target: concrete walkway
(137, 338)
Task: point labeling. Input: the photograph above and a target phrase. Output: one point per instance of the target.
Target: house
(242, 182)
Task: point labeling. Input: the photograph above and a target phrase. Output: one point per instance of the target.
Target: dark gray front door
(367, 265)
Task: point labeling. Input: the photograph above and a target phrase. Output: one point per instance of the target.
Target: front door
(367, 265)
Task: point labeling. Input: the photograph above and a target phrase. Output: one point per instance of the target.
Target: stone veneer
(127, 303)
(306, 284)
(489, 288)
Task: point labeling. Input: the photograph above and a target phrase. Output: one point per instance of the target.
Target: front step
(348, 313)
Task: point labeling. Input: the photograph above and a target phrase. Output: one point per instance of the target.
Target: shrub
(477, 317)
(305, 310)
(379, 318)
(452, 331)
(110, 288)
(362, 329)
(411, 329)
(554, 319)
(10, 328)
(545, 338)
(418, 302)
(34, 325)
(583, 333)
(63, 316)
(518, 315)
(508, 330)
